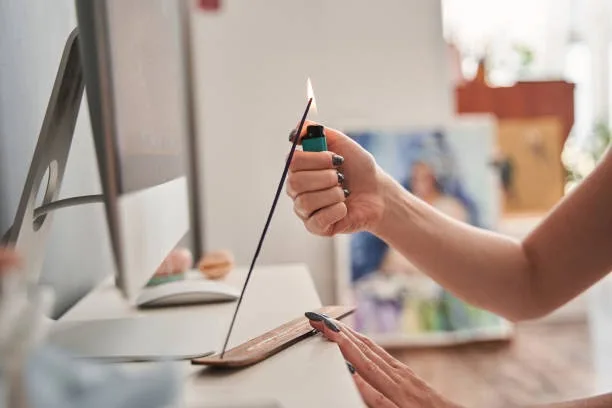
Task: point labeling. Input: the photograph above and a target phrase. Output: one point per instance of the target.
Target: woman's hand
(383, 381)
(337, 191)
(8, 260)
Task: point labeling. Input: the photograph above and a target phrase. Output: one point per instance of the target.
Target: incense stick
(265, 230)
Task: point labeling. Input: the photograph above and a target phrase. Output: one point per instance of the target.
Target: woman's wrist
(394, 204)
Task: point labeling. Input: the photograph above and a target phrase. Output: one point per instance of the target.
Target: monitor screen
(136, 57)
(149, 100)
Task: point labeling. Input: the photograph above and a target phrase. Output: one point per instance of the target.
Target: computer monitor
(137, 70)
(133, 59)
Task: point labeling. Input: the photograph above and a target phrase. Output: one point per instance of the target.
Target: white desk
(310, 374)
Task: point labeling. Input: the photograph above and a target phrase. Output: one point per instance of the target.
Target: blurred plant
(602, 140)
(580, 159)
(526, 56)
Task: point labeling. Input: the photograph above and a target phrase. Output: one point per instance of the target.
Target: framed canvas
(448, 167)
(533, 149)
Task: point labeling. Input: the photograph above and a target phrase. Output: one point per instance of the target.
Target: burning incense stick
(265, 230)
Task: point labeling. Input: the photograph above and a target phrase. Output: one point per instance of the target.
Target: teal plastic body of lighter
(315, 144)
(314, 140)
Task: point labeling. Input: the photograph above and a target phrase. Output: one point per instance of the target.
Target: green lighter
(314, 140)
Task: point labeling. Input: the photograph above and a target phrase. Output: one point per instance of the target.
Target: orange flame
(310, 93)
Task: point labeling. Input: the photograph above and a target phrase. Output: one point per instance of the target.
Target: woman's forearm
(561, 258)
(566, 254)
(486, 269)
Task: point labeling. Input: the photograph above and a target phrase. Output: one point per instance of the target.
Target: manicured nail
(315, 317)
(347, 192)
(292, 135)
(340, 177)
(337, 160)
(350, 367)
(331, 325)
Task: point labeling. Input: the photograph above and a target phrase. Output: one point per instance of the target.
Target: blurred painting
(450, 170)
(532, 150)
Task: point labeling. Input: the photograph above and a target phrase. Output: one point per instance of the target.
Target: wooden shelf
(524, 100)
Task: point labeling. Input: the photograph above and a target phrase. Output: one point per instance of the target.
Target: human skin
(8, 259)
(568, 252)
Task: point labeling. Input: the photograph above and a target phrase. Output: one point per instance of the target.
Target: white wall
(32, 37)
(372, 64)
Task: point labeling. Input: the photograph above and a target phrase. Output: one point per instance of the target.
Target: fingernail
(331, 325)
(350, 367)
(292, 135)
(316, 317)
(337, 160)
(340, 177)
(347, 192)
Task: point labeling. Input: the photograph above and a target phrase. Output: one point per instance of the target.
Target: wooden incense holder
(272, 342)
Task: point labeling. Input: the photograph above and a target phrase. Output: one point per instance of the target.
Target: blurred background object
(216, 264)
(448, 167)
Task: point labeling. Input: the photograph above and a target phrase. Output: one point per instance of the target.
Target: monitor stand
(147, 338)
(172, 336)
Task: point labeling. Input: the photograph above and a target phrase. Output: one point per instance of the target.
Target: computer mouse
(186, 292)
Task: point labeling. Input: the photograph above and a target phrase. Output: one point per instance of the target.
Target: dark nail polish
(347, 192)
(340, 177)
(350, 367)
(315, 317)
(337, 160)
(292, 135)
(331, 325)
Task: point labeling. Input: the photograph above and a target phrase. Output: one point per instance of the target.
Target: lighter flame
(310, 94)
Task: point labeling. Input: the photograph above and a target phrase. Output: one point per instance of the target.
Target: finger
(373, 347)
(372, 372)
(317, 325)
(304, 219)
(372, 397)
(304, 181)
(321, 329)
(315, 160)
(322, 222)
(391, 366)
(8, 259)
(308, 203)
